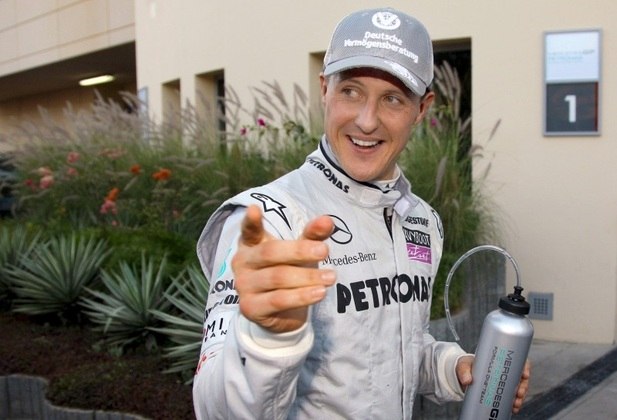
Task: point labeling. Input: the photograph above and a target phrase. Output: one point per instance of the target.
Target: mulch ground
(81, 377)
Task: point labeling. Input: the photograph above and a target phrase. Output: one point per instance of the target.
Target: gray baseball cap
(385, 39)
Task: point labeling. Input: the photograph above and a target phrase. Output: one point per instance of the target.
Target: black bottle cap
(515, 302)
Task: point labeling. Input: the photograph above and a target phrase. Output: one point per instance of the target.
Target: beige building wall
(556, 195)
(38, 33)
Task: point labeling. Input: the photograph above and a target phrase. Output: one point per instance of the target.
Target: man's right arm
(236, 371)
(245, 370)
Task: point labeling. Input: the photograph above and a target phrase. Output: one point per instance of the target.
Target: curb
(554, 400)
(23, 397)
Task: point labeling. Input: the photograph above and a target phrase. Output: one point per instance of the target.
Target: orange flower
(112, 195)
(162, 174)
(136, 169)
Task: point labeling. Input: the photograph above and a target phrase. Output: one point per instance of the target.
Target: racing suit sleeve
(438, 380)
(244, 371)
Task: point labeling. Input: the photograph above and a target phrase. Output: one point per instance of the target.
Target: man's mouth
(364, 143)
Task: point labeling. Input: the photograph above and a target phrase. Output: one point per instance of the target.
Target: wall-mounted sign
(572, 83)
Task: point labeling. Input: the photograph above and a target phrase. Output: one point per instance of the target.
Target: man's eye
(348, 91)
(393, 100)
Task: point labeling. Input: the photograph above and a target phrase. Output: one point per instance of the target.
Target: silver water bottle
(501, 353)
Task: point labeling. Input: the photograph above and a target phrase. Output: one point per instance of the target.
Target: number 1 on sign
(571, 100)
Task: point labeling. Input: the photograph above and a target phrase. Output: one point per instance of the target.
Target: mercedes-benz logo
(386, 20)
(340, 234)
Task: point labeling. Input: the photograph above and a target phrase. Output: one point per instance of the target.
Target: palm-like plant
(52, 278)
(187, 293)
(123, 311)
(15, 242)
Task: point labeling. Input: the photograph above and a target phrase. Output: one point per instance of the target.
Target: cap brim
(415, 85)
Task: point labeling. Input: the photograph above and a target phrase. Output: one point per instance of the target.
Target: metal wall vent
(541, 306)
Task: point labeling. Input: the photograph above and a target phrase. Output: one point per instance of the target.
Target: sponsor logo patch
(418, 245)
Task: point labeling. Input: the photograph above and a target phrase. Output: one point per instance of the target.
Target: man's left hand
(463, 372)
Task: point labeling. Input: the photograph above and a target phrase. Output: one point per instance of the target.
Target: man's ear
(323, 87)
(425, 104)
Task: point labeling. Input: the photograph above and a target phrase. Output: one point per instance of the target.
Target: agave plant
(52, 278)
(123, 310)
(187, 293)
(15, 242)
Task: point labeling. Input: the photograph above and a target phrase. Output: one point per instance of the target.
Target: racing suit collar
(363, 193)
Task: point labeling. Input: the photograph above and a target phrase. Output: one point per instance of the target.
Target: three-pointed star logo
(270, 204)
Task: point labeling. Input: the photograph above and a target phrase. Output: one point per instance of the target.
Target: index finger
(252, 230)
(318, 229)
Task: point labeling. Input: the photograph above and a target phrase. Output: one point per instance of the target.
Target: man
(322, 279)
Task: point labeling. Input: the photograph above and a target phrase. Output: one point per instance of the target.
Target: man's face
(369, 116)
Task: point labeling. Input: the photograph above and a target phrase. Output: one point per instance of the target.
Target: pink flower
(243, 131)
(434, 122)
(71, 171)
(72, 157)
(109, 207)
(43, 171)
(261, 122)
(109, 204)
(46, 182)
(30, 184)
(113, 153)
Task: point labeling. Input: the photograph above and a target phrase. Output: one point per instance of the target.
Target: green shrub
(130, 244)
(122, 311)
(51, 279)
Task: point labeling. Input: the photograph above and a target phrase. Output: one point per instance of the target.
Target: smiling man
(322, 280)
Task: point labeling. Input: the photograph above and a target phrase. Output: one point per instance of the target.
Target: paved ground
(572, 381)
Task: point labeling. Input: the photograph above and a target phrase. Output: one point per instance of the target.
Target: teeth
(364, 143)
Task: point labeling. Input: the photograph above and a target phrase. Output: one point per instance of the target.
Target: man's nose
(368, 117)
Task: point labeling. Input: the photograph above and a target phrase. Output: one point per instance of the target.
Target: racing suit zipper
(400, 266)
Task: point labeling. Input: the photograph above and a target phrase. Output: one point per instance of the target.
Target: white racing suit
(366, 350)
